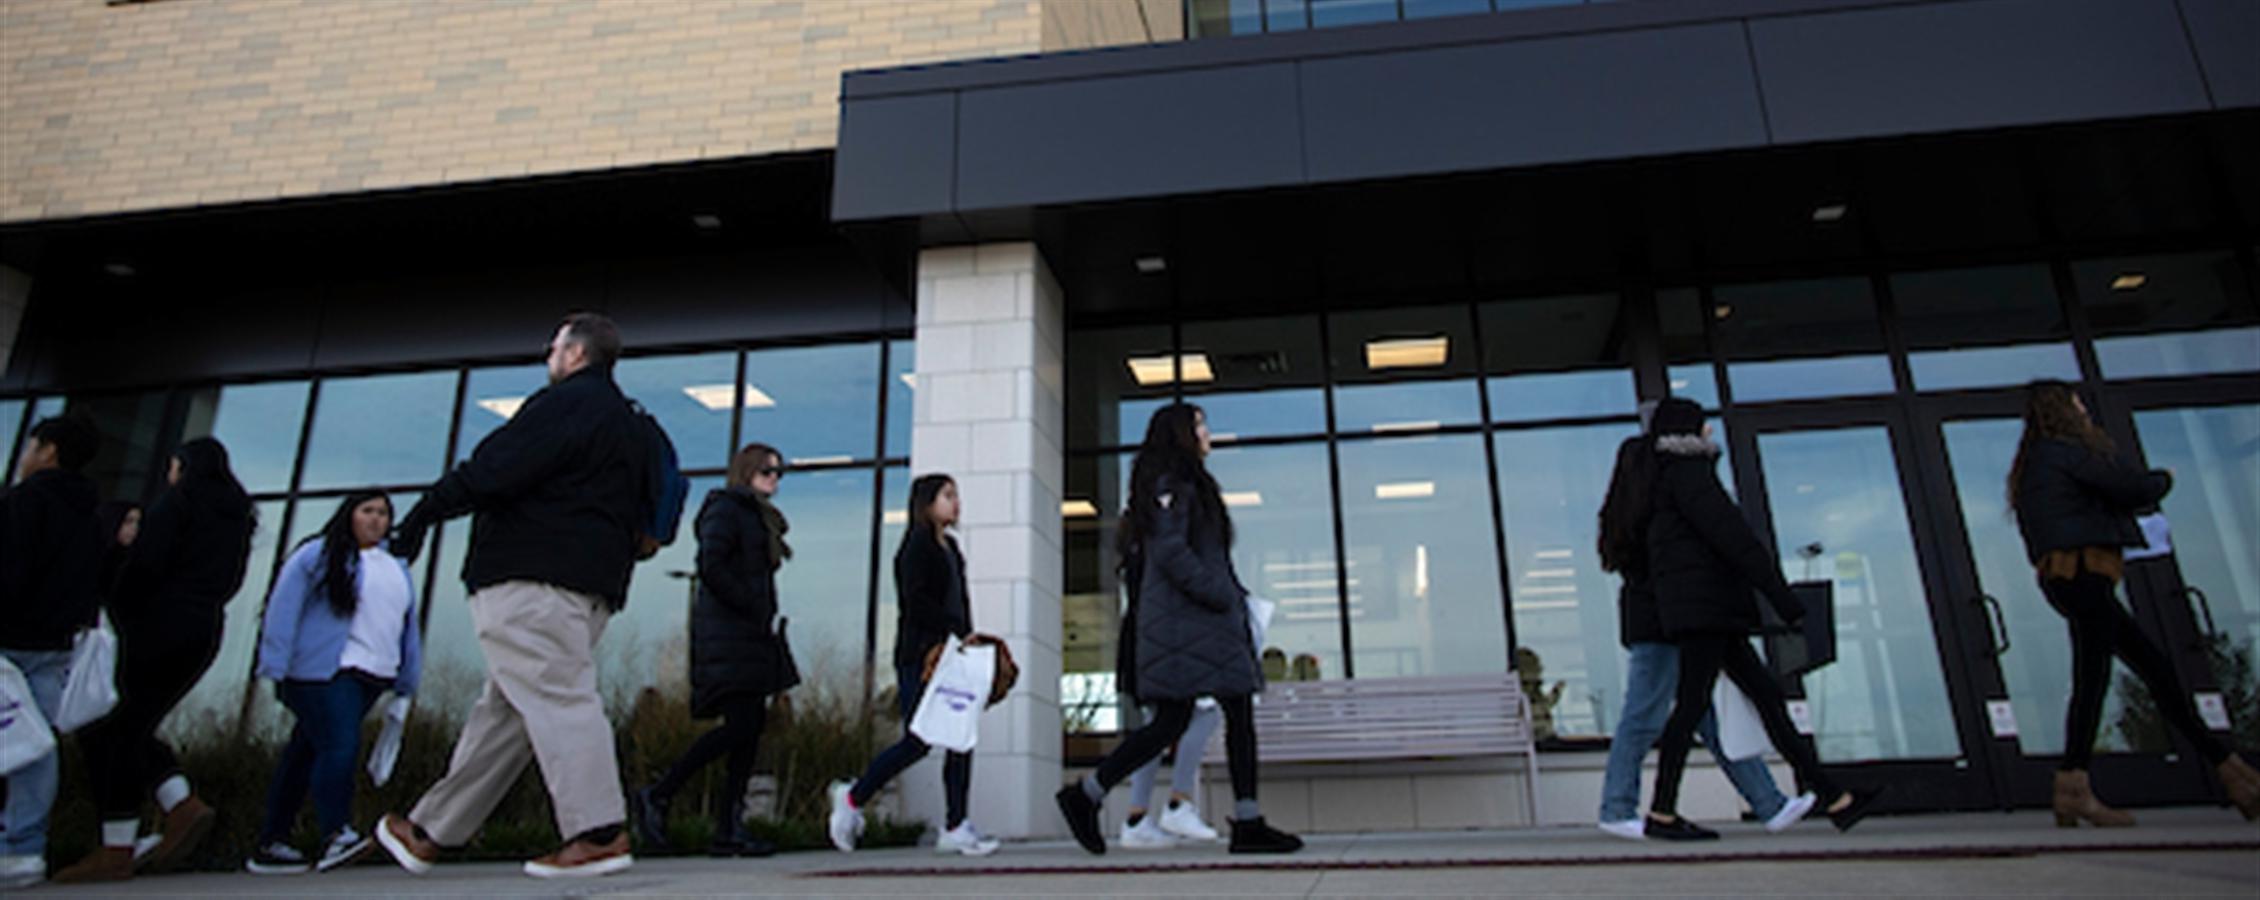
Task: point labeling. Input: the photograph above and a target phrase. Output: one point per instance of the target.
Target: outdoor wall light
(1150, 265)
(717, 397)
(1407, 353)
(1723, 311)
(1833, 212)
(707, 221)
(119, 269)
(1079, 509)
(2129, 281)
(1153, 370)
(910, 380)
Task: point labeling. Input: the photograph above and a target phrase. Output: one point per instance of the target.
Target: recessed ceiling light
(1388, 427)
(2129, 281)
(1407, 353)
(1153, 370)
(717, 397)
(1149, 265)
(1552, 554)
(1079, 509)
(1243, 498)
(1404, 490)
(1829, 213)
(896, 517)
(821, 460)
(707, 221)
(502, 406)
(1723, 311)
(119, 269)
(910, 380)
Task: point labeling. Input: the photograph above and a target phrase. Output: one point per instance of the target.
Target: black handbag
(788, 672)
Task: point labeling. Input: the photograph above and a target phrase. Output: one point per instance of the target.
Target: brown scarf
(779, 551)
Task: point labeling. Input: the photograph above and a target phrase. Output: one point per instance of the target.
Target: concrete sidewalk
(2175, 852)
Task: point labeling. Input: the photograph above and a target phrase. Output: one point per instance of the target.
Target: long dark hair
(1624, 512)
(207, 482)
(110, 517)
(2051, 415)
(1171, 448)
(923, 492)
(339, 547)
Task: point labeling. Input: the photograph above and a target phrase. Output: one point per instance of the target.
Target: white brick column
(989, 413)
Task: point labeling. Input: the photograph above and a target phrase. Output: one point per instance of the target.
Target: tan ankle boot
(2243, 785)
(2075, 801)
(104, 864)
(184, 829)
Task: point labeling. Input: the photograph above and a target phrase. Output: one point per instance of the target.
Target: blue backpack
(668, 489)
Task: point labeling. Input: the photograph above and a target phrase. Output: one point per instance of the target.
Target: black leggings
(1170, 719)
(739, 735)
(1702, 658)
(158, 661)
(2101, 627)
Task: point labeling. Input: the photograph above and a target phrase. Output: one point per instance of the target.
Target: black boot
(651, 819)
(1082, 815)
(730, 835)
(1257, 836)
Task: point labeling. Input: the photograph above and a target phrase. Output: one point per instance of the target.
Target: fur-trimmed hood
(1690, 445)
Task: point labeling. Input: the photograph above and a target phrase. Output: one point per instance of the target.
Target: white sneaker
(276, 858)
(1792, 812)
(1184, 820)
(964, 840)
(345, 847)
(1146, 835)
(22, 871)
(1629, 829)
(847, 821)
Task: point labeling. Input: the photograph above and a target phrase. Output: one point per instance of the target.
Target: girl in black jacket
(2075, 503)
(931, 605)
(168, 609)
(738, 652)
(1705, 562)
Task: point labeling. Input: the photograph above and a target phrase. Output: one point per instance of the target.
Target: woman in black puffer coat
(1192, 624)
(738, 652)
(1707, 566)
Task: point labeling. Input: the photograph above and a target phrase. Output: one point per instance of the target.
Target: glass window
(1283, 524)
(491, 397)
(1404, 369)
(1840, 488)
(1424, 597)
(692, 396)
(1116, 379)
(1558, 358)
(647, 643)
(902, 395)
(1286, 15)
(825, 588)
(2215, 505)
(258, 423)
(11, 420)
(2169, 315)
(1426, 9)
(1687, 352)
(1969, 328)
(1263, 377)
(1799, 339)
(1332, 13)
(454, 667)
(217, 700)
(894, 520)
(817, 404)
(1551, 484)
(1224, 18)
(1092, 599)
(379, 429)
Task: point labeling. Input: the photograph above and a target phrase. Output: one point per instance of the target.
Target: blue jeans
(323, 746)
(1651, 680)
(31, 789)
(957, 768)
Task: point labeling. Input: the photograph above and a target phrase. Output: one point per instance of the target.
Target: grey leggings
(1185, 774)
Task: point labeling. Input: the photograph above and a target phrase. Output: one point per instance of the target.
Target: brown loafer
(582, 859)
(398, 836)
(185, 828)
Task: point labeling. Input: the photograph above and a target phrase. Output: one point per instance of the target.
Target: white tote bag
(949, 713)
(1259, 620)
(1741, 733)
(24, 735)
(90, 687)
(387, 750)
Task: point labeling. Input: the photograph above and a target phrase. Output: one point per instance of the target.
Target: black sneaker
(1679, 829)
(730, 842)
(1257, 836)
(1082, 815)
(277, 858)
(650, 820)
(1862, 803)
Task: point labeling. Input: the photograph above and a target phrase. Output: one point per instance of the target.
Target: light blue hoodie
(303, 637)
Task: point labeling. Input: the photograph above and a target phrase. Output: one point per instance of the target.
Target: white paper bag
(1259, 620)
(1741, 733)
(24, 735)
(949, 712)
(2157, 537)
(387, 751)
(90, 687)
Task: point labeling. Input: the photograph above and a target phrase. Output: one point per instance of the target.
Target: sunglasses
(769, 472)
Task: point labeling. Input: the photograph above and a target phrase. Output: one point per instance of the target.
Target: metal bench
(1396, 718)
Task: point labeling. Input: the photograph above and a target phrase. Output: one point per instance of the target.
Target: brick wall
(109, 107)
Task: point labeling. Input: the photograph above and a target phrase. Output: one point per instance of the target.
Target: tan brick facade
(110, 107)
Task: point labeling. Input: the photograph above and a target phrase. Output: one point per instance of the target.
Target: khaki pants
(540, 703)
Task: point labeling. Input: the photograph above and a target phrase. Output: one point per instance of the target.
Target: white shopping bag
(1741, 733)
(387, 751)
(1259, 620)
(949, 713)
(2157, 537)
(24, 735)
(90, 688)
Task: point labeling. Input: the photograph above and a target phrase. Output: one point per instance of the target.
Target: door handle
(1997, 625)
(2204, 611)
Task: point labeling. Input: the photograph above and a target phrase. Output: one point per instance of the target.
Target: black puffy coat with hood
(1705, 562)
(734, 645)
(2070, 497)
(1192, 613)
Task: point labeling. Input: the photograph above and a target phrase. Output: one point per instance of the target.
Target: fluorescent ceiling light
(1311, 584)
(1153, 370)
(1387, 427)
(2128, 281)
(717, 397)
(1149, 265)
(1546, 589)
(1243, 498)
(502, 406)
(1831, 213)
(708, 221)
(119, 269)
(821, 460)
(1679, 384)
(1543, 605)
(1301, 566)
(896, 517)
(1552, 554)
(1407, 353)
(1079, 509)
(1550, 573)
(910, 380)
(1404, 490)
